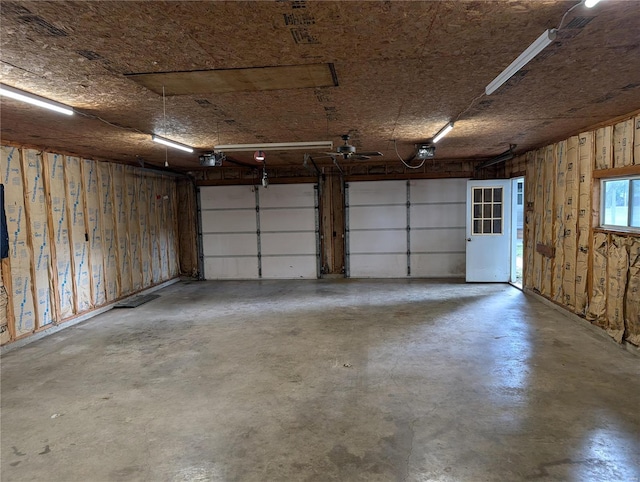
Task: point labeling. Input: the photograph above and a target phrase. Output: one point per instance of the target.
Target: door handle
(469, 240)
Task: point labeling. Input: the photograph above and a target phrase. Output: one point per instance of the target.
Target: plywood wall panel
(94, 230)
(60, 234)
(121, 228)
(78, 234)
(20, 294)
(36, 208)
(109, 241)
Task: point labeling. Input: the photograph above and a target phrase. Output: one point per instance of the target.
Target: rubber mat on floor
(136, 301)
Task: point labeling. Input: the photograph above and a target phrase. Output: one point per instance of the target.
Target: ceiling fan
(348, 151)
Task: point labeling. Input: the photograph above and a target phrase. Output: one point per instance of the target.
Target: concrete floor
(323, 380)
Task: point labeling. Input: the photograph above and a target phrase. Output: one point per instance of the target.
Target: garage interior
(373, 255)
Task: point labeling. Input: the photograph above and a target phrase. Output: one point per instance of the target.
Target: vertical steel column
(347, 271)
(199, 237)
(317, 189)
(408, 228)
(258, 231)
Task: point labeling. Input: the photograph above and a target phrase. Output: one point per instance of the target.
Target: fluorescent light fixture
(167, 142)
(523, 59)
(590, 3)
(33, 99)
(275, 146)
(443, 132)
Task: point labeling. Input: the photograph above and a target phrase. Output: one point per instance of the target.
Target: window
(620, 202)
(520, 193)
(487, 210)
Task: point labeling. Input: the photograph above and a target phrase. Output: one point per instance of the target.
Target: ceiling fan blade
(370, 153)
(360, 157)
(330, 153)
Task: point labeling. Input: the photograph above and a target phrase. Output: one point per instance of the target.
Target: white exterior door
(489, 231)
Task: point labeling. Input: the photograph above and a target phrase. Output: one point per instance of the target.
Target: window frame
(630, 192)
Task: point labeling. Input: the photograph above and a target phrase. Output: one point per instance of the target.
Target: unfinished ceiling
(377, 70)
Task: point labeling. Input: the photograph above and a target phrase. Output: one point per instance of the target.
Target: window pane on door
(487, 210)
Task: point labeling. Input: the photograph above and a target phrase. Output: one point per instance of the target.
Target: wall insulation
(592, 272)
(82, 234)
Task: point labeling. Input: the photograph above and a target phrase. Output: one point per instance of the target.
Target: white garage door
(398, 228)
(268, 233)
(288, 231)
(229, 232)
(377, 229)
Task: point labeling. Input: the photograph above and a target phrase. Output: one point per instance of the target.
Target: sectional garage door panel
(281, 244)
(230, 268)
(438, 265)
(243, 244)
(377, 193)
(377, 229)
(438, 191)
(373, 242)
(377, 217)
(288, 239)
(229, 221)
(437, 215)
(229, 232)
(288, 196)
(287, 220)
(438, 240)
(379, 266)
(289, 267)
(227, 197)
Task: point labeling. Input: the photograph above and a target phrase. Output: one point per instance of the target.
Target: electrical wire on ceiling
(567, 13)
(164, 127)
(126, 128)
(395, 146)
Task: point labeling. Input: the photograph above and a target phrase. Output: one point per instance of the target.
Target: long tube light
(170, 143)
(275, 146)
(443, 132)
(523, 59)
(33, 99)
(590, 3)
